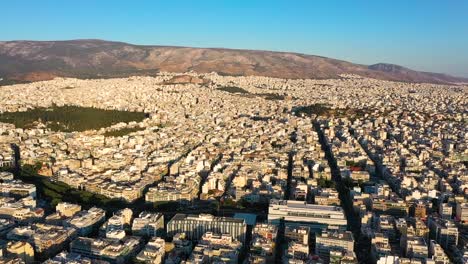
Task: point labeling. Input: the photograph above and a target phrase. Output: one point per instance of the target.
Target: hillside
(22, 61)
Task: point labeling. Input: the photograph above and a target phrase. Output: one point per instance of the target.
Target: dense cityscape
(203, 168)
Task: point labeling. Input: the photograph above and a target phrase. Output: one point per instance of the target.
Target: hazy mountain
(41, 60)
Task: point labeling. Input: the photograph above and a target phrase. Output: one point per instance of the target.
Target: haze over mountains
(41, 60)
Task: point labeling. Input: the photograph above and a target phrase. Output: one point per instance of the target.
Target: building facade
(195, 226)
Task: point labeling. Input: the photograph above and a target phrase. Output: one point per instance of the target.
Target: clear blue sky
(425, 35)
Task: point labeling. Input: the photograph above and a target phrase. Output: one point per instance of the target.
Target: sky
(427, 35)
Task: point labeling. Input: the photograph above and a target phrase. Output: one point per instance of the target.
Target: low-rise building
(153, 252)
(67, 209)
(23, 210)
(6, 225)
(195, 226)
(47, 240)
(117, 223)
(20, 249)
(263, 244)
(316, 216)
(416, 248)
(179, 249)
(111, 250)
(216, 248)
(72, 258)
(329, 241)
(7, 156)
(86, 221)
(380, 246)
(148, 224)
(17, 188)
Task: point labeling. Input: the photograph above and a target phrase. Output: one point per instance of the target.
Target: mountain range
(25, 61)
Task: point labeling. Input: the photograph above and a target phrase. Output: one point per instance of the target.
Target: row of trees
(56, 192)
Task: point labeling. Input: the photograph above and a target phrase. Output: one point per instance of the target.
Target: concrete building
(462, 213)
(148, 224)
(437, 254)
(71, 258)
(299, 234)
(111, 250)
(444, 232)
(445, 210)
(215, 248)
(263, 244)
(17, 188)
(22, 250)
(179, 249)
(47, 240)
(338, 241)
(6, 225)
(195, 226)
(86, 221)
(153, 252)
(118, 222)
(7, 157)
(380, 246)
(67, 209)
(416, 248)
(317, 216)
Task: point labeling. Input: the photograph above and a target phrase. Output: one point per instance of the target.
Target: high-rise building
(444, 232)
(438, 254)
(445, 210)
(462, 212)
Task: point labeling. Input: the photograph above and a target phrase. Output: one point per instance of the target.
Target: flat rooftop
(304, 205)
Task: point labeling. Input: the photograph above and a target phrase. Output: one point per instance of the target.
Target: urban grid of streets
(349, 170)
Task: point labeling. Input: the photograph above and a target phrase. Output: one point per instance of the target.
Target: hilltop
(23, 61)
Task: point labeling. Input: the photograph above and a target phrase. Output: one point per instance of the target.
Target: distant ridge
(22, 61)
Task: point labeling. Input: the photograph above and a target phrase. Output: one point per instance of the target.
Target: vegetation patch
(271, 96)
(317, 109)
(68, 88)
(123, 131)
(326, 111)
(361, 164)
(70, 118)
(325, 183)
(243, 92)
(56, 192)
(233, 89)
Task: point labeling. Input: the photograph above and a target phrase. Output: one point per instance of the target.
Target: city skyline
(124, 140)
